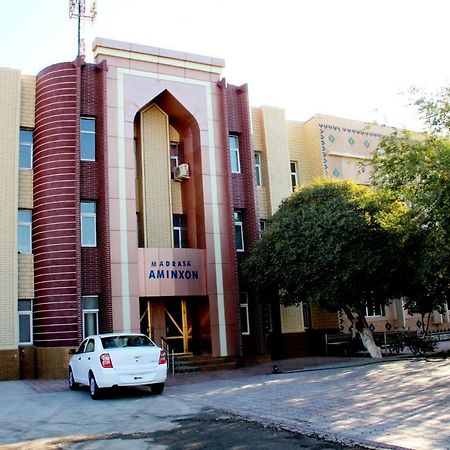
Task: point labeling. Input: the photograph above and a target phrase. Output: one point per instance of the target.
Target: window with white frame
(294, 175)
(24, 231)
(245, 319)
(25, 322)
(87, 139)
(258, 169)
(239, 230)
(375, 309)
(90, 315)
(234, 153)
(25, 149)
(179, 231)
(262, 227)
(174, 157)
(88, 224)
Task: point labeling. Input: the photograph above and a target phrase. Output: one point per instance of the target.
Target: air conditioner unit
(181, 172)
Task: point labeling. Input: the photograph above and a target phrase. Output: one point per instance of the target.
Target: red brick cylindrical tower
(60, 181)
(56, 205)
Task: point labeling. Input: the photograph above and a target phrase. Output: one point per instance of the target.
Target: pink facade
(187, 89)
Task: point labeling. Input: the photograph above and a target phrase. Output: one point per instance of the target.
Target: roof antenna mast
(77, 8)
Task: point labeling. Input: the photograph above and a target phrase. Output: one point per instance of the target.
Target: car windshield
(124, 341)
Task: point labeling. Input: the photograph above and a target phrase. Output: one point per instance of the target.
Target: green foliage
(416, 168)
(434, 109)
(333, 243)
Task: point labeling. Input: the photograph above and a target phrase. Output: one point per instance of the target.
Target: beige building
(290, 153)
(17, 92)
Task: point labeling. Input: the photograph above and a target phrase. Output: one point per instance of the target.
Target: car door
(85, 360)
(76, 362)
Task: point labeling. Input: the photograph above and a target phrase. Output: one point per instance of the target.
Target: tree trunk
(362, 328)
(367, 339)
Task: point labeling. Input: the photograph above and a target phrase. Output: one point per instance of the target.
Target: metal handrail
(170, 361)
(173, 362)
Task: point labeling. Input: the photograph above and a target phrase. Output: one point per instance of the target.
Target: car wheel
(73, 386)
(157, 388)
(93, 388)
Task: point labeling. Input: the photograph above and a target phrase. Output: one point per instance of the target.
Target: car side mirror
(72, 351)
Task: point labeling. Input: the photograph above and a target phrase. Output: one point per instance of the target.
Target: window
(374, 309)
(262, 227)
(24, 231)
(179, 231)
(81, 347)
(306, 309)
(258, 169)
(90, 346)
(124, 341)
(245, 320)
(88, 224)
(233, 141)
(294, 179)
(25, 149)
(87, 139)
(239, 231)
(90, 315)
(25, 322)
(174, 157)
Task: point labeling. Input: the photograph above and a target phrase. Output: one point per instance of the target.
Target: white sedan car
(117, 359)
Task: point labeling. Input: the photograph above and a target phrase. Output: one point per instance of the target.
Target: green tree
(336, 244)
(416, 168)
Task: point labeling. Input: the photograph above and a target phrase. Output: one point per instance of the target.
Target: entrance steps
(200, 363)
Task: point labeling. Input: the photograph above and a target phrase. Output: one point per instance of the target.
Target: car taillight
(162, 357)
(106, 361)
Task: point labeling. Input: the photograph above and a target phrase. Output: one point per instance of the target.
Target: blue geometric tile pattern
(336, 173)
(323, 127)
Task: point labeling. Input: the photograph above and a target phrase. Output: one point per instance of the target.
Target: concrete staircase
(200, 363)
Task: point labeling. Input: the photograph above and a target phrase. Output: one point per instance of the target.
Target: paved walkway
(267, 368)
(401, 403)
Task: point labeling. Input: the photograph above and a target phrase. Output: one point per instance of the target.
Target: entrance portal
(182, 322)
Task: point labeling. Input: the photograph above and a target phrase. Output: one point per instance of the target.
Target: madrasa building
(132, 189)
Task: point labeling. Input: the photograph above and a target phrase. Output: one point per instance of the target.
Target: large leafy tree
(336, 244)
(416, 168)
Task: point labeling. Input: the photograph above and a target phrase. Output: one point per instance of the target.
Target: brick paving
(391, 404)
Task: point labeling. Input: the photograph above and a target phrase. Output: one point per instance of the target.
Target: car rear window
(126, 341)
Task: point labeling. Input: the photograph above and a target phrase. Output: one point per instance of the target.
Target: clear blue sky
(350, 58)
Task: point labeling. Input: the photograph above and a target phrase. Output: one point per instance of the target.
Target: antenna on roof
(77, 8)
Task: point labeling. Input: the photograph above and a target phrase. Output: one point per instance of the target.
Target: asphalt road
(133, 419)
(208, 430)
